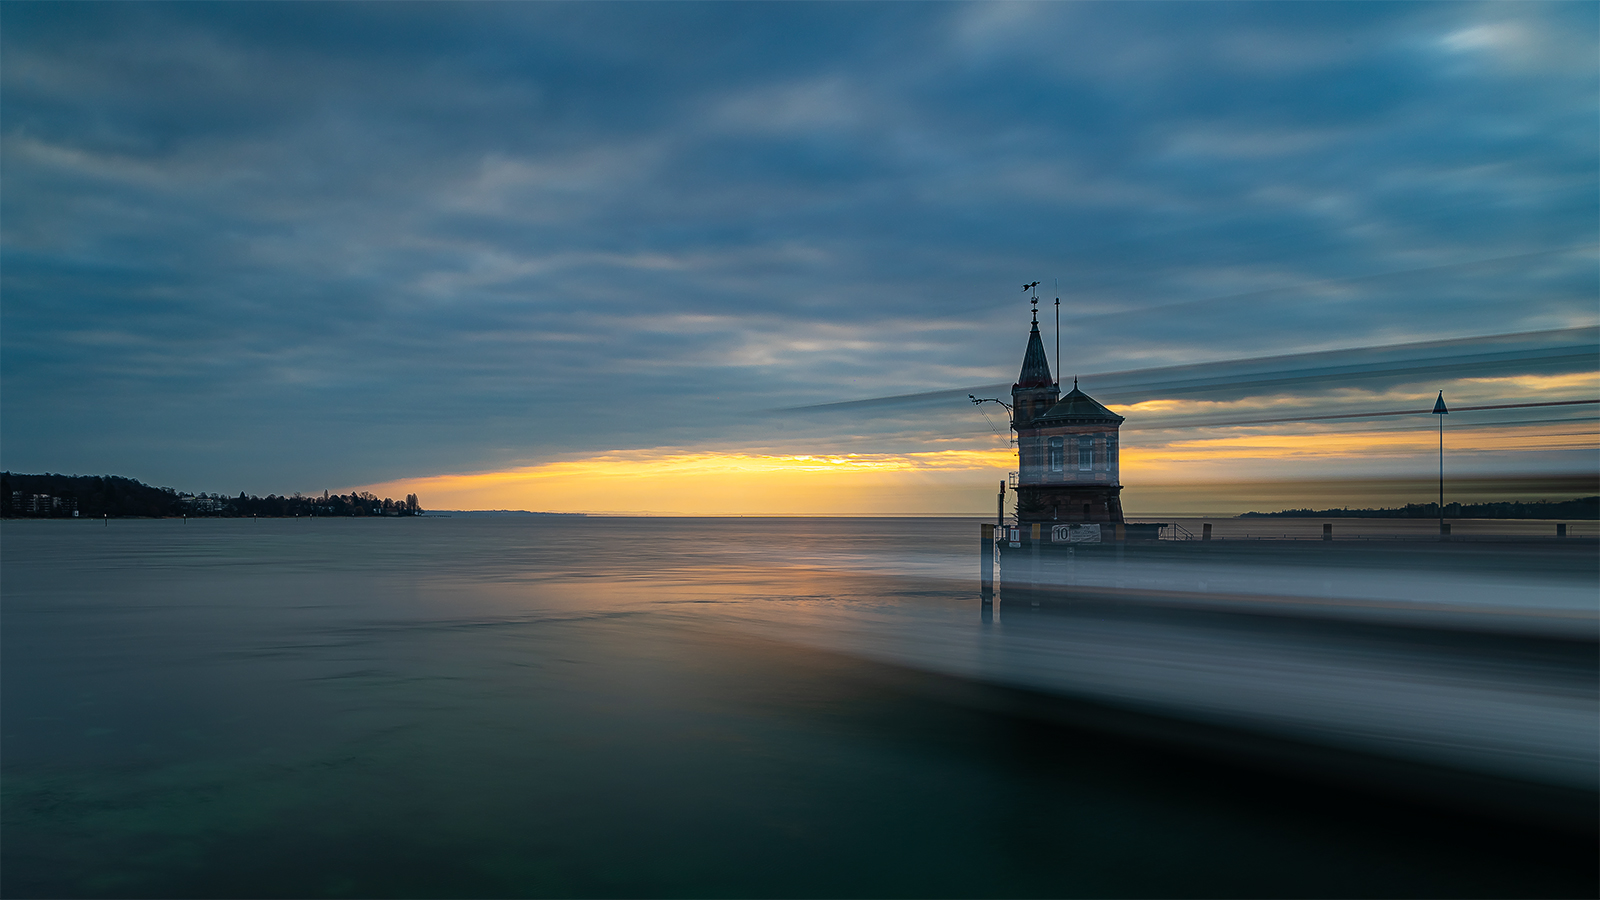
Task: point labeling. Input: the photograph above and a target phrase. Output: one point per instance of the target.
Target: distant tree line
(1583, 508)
(97, 496)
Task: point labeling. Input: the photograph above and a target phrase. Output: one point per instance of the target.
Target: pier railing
(1176, 532)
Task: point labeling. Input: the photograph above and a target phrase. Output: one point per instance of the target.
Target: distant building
(42, 505)
(1066, 448)
(201, 504)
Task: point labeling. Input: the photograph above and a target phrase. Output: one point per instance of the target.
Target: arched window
(1085, 453)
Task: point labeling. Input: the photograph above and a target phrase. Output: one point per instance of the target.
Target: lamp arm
(979, 402)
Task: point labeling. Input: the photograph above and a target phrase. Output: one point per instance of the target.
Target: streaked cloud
(269, 247)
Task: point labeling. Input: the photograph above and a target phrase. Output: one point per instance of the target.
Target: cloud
(260, 247)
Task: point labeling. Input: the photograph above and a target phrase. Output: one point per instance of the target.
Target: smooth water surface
(609, 707)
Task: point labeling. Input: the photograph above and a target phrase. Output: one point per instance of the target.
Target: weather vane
(1035, 301)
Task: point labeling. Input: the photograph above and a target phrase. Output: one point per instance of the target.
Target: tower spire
(1035, 364)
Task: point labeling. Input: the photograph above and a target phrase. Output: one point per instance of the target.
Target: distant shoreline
(495, 513)
(54, 496)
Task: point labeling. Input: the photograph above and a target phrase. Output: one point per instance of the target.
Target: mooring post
(986, 563)
(1205, 532)
(1561, 530)
(1327, 531)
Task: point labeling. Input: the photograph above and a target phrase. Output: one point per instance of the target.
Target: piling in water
(986, 563)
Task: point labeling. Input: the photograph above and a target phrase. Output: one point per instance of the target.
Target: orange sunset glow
(948, 482)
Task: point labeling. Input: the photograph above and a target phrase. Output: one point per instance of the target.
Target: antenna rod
(1058, 335)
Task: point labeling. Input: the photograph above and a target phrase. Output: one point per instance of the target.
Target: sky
(729, 258)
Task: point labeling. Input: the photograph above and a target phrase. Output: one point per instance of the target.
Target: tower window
(1085, 453)
(1057, 454)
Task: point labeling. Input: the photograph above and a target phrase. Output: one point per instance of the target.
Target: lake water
(614, 707)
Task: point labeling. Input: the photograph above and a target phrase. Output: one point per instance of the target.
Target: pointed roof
(1076, 407)
(1035, 365)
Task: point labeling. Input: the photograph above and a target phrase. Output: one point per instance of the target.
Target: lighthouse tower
(1066, 448)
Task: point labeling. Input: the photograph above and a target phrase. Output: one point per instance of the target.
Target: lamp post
(1441, 411)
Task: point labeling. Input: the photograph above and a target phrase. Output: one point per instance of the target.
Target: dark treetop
(97, 496)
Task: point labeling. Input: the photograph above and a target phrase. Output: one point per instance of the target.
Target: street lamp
(1441, 411)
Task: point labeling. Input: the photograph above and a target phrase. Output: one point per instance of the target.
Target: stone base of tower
(1058, 504)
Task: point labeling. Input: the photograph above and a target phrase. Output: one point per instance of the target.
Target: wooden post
(1033, 568)
(1205, 532)
(1327, 531)
(986, 563)
(1561, 530)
